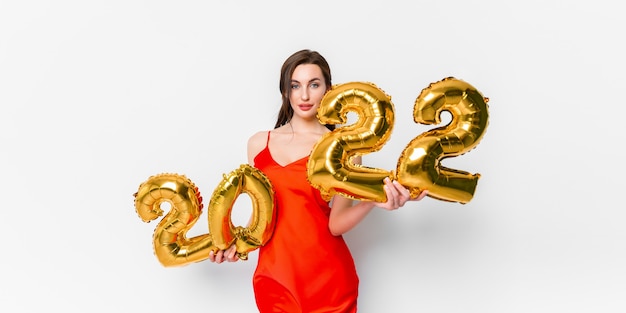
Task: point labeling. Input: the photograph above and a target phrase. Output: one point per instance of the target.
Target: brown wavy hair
(305, 56)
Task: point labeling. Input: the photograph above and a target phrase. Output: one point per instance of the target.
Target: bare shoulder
(258, 139)
(256, 143)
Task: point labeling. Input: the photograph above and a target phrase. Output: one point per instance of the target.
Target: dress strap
(267, 144)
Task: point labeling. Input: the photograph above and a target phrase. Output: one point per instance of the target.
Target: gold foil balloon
(419, 166)
(171, 245)
(330, 168)
(249, 180)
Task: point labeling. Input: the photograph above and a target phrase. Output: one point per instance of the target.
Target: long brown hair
(305, 56)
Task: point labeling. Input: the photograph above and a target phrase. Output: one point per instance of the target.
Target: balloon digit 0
(330, 168)
(419, 165)
(249, 180)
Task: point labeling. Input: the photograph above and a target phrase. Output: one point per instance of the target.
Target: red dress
(303, 267)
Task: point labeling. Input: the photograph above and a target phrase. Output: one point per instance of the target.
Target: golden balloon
(330, 168)
(170, 242)
(250, 180)
(419, 166)
(171, 245)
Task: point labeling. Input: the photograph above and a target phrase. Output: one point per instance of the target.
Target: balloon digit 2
(330, 168)
(419, 166)
(171, 245)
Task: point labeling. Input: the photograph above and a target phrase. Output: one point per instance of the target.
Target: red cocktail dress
(303, 267)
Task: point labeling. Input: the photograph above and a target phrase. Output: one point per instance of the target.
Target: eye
(295, 86)
(315, 85)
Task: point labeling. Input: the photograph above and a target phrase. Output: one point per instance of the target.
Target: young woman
(306, 266)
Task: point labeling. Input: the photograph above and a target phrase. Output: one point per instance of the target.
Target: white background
(97, 96)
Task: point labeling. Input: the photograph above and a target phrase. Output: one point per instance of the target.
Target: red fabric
(303, 267)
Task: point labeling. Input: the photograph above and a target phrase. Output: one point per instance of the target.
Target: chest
(286, 149)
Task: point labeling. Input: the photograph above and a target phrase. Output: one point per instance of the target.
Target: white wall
(96, 96)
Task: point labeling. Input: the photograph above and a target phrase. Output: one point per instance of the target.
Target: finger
(422, 194)
(231, 253)
(216, 257)
(403, 192)
(390, 203)
(392, 189)
(220, 256)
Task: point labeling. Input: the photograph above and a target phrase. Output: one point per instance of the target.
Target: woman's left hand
(397, 195)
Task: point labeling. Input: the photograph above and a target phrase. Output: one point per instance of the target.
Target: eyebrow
(310, 81)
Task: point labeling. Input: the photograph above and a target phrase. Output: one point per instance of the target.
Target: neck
(301, 125)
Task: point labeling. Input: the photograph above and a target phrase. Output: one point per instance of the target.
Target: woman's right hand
(397, 195)
(229, 255)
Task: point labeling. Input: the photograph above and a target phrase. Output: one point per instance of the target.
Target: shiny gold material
(419, 166)
(171, 245)
(249, 180)
(330, 168)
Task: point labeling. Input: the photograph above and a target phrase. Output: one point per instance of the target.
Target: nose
(305, 94)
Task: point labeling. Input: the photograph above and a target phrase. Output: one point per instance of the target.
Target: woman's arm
(256, 143)
(345, 214)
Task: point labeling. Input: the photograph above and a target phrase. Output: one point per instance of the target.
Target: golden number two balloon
(419, 166)
(171, 245)
(330, 168)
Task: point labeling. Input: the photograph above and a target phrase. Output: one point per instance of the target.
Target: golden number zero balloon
(249, 180)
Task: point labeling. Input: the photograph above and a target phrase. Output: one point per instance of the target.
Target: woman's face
(307, 89)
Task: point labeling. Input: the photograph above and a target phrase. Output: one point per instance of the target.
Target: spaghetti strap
(267, 143)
